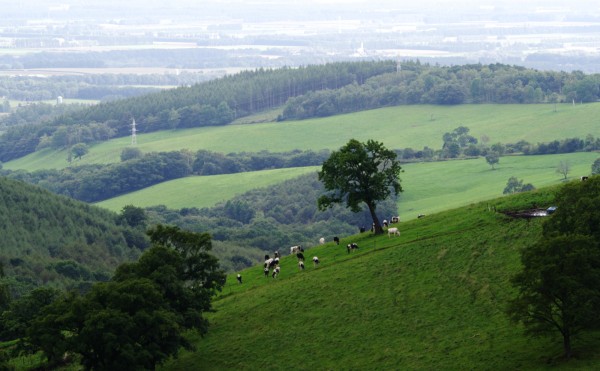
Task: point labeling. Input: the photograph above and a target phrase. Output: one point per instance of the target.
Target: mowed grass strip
(432, 298)
(397, 127)
(203, 191)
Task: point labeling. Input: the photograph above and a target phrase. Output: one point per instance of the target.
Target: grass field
(428, 187)
(397, 127)
(202, 191)
(432, 298)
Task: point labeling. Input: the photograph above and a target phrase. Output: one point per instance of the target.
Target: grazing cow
(276, 272)
(266, 271)
(276, 254)
(322, 240)
(301, 265)
(351, 246)
(336, 240)
(267, 257)
(395, 219)
(295, 249)
(422, 216)
(362, 229)
(385, 223)
(300, 256)
(393, 231)
(583, 178)
(315, 260)
(239, 278)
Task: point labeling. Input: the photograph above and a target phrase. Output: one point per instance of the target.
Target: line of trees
(92, 183)
(417, 83)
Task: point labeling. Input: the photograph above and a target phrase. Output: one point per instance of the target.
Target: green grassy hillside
(428, 187)
(202, 191)
(432, 298)
(397, 127)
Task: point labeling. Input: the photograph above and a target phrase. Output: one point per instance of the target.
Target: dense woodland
(312, 91)
(60, 242)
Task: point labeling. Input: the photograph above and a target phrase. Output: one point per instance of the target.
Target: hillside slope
(432, 298)
(397, 127)
(57, 241)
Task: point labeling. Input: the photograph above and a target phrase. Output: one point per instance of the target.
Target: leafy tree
(564, 168)
(515, 185)
(596, 167)
(360, 173)
(130, 153)
(22, 311)
(79, 150)
(559, 288)
(492, 158)
(577, 210)
(136, 320)
(133, 216)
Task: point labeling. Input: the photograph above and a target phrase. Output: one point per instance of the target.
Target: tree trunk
(378, 229)
(567, 344)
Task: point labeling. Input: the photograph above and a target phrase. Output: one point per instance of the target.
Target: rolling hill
(432, 298)
(397, 127)
(429, 187)
(59, 242)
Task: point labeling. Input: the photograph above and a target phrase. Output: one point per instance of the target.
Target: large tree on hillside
(559, 287)
(138, 319)
(360, 173)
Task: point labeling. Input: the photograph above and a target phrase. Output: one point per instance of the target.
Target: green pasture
(397, 127)
(431, 299)
(202, 191)
(429, 187)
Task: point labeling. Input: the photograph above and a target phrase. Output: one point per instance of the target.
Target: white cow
(393, 231)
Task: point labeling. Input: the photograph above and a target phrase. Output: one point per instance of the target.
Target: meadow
(429, 187)
(202, 191)
(397, 127)
(433, 298)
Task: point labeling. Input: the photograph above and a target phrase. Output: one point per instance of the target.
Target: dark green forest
(60, 242)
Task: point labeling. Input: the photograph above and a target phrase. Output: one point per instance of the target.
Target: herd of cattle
(271, 265)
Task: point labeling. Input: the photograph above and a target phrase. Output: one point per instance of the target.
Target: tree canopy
(360, 173)
(559, 287)
(134, 321)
